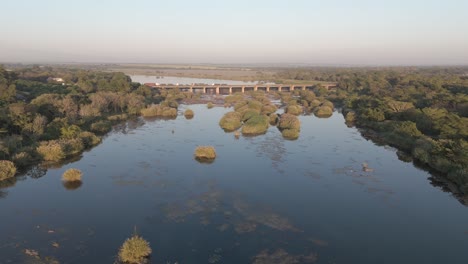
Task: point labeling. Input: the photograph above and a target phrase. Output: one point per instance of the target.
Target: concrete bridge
(230, 89)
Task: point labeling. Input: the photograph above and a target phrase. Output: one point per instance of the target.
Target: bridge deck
(229, 89)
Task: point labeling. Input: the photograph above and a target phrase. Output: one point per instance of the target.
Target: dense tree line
(421, 111)
(42, 119)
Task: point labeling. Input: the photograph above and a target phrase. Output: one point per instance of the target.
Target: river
(264, 199)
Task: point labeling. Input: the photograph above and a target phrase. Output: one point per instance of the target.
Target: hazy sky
(357, 32)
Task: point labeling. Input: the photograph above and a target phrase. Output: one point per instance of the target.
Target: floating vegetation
(323, 111)
(256, 125)
(72, 175)
(244, 218)
(231, 121)
(189, 114)
(205, 153)
(290, 126)
(245, 227)
(159, 111)
(135, 250)
(280, 256)
(294, 110)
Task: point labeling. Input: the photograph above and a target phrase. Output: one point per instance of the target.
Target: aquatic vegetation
(290, 133)
(189, 114)
(120, 117)
(205, 153)
(89, 139)
(230, 121)
(288, 121)
(293, 109)
(101, 127)
(159, 111)
(280, 256)
(245, 227)
(7, 169)
(290, 126)
(235, 98)
(323, 111)
(72, 175)
(249, 113)
(269, 109)
(256, 125)
(273, 119)
(210, 105)
(135, 250)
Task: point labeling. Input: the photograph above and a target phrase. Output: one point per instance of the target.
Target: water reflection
(37, 172)
(72, 185)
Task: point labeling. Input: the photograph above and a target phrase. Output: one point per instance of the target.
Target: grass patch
(256, 125)
(209, 105)
(135, 250)
(189, 114)
(159, 111)
(230, 121)
(323, 111)
(290, 133)
(290, 126)
(294, 109)
(205, 153)
(72, 175)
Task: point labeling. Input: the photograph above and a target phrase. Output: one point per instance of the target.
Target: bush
(246, 115)
(205, 153)
(24, 158)
(288, 121)
(273, 118)
(268, 109)
(117, 117)
(294, 109)
(290, 133)
(72, 146)
(89, 139)
(256, 125)
(134, 250)
(159, 111)
(210, 105)
(101, 127)
(188, 114)
(232, 99)
(290, 126)
(72, 175)
(7, 169)
(230, 121)
(51, 150)
(350, 117)
(323, 111)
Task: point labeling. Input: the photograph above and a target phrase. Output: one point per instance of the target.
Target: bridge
(230, 89)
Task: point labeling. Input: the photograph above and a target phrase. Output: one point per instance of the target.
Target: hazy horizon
(356, 33)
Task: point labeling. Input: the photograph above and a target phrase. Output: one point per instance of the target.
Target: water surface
(264, 198)
(184, 80)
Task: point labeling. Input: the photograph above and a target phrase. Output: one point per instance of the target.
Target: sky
(313, 32)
